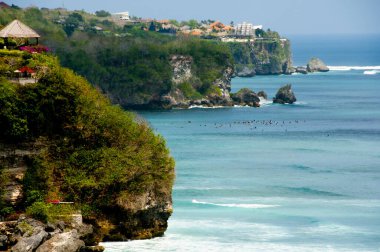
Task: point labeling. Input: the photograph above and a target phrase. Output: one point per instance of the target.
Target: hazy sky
(285, 16)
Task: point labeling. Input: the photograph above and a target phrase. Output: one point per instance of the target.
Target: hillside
(134, 65)
(62, 140)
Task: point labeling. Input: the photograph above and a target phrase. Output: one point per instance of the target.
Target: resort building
(121, 15)
(246, 29)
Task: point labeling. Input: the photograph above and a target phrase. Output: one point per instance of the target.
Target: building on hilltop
(217, 26)
(121, 15)
(247, 29)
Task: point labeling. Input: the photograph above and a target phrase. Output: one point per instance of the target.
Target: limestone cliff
(185, 82)
(262, 57)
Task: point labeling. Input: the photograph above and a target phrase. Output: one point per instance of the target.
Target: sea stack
(316, 65)
(285, 95)
(246, 97)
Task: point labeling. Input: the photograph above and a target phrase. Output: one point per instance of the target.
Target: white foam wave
(254, 206)
(371, 72)
(205, 107)
(203, 188)
(349, 68)
(264, 102)
(240, 106)
(300, 103)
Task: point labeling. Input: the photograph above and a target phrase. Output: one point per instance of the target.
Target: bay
(301, 177)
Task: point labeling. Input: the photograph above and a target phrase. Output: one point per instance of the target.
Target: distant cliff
(264, 56)
(140, 69)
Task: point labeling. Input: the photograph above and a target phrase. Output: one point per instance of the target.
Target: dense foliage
(130, 65)
(95, 152)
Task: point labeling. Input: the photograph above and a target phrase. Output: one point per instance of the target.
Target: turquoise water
(301, 177)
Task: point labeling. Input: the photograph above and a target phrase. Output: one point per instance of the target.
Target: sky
(289, 17)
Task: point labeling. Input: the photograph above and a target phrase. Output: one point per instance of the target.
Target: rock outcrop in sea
(285, 95)
(262, 94)
(316, 65)
(246, 97)
(302, 70)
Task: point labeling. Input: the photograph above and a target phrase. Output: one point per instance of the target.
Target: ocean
(301, 177)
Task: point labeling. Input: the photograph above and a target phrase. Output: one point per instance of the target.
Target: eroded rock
(316, 65)
(246, 96)
(64, 242)
(285, 95)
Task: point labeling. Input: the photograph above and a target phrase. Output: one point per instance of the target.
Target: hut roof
(4, 5)
(16, 29)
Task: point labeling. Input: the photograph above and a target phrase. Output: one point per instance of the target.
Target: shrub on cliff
(96, 152)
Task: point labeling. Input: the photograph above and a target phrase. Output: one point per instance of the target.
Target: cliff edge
(62, 141)
(262, 56)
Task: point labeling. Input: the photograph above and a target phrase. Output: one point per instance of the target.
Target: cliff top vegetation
(94, 154)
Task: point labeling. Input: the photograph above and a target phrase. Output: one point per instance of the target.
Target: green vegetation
(96, 153)
(102, 13)
(189, 91)
(127, 63)
(51, 212)
(4, 209)
(269, 55)
(25, 228)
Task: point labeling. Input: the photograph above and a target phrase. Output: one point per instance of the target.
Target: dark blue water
(347, 50)
(301, 177)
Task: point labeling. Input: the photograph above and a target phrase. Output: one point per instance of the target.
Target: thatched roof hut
(16, 29)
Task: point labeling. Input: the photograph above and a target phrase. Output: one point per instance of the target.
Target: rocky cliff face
(182, 73)
(13, 161)
(135, 216)
(262, 57)
(138, 217)
(181, 66)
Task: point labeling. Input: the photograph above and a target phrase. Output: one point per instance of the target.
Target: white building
(121, 15)
(246, 29)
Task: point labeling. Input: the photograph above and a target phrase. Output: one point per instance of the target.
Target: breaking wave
(349, 68)
(371, 72)
(254, 206)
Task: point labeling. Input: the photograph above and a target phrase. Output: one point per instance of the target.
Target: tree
(102, 13)
(174, 22)
(72, 22)
(193, 23)
(260, 33)
(152, 27)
